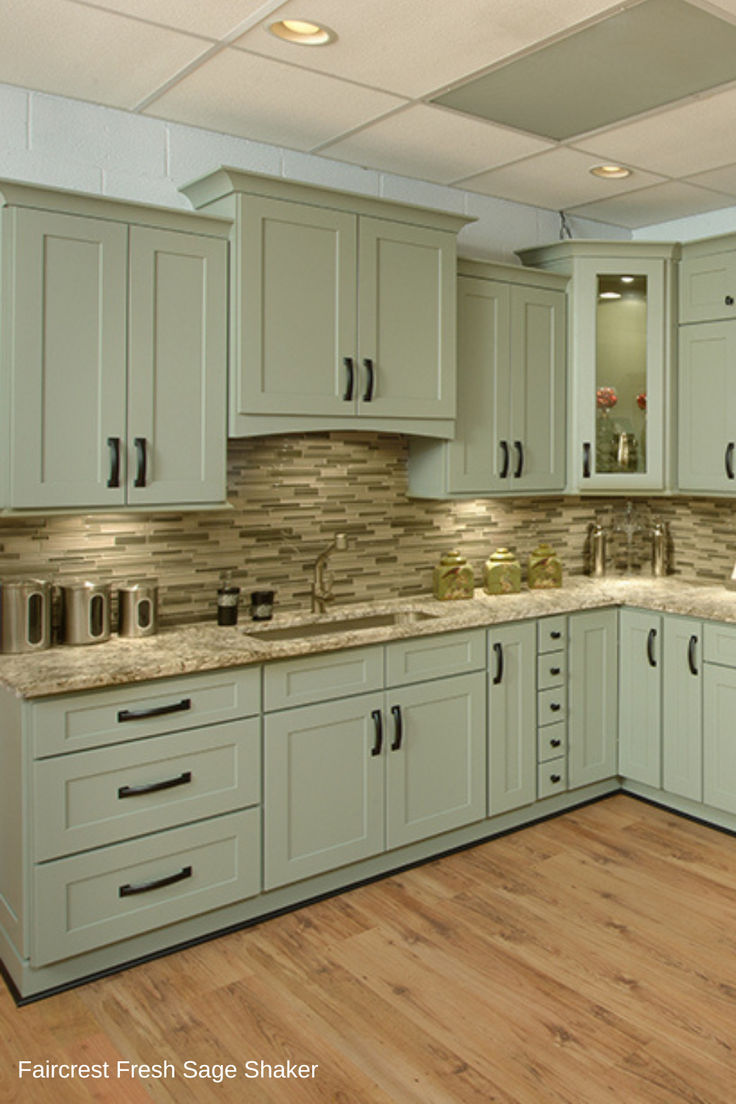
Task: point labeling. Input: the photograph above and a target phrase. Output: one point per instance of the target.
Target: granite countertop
(204, 647)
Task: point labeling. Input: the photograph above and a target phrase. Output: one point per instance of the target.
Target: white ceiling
(365, 98)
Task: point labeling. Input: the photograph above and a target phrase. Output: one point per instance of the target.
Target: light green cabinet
(592, 697)
(511, 389)
(682, 707)
(640, 696)
(719, 746)
(512, 717)
(342, 308)
(113, 354)
(707, 408)
(708, 280)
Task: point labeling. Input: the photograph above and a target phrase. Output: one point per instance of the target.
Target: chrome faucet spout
(321, 591)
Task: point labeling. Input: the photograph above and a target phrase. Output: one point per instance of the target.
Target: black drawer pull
(368, 365)
(398, 727)
(155, 711)
(113, 443)
(554, 670)
(555, 635)
(348, 362)
(141, 461)
(519, 459)
(586, 459)
(728, 300)
(729, 459)
(556, 743)
(498, 649)
(692, 645)
(555, 707)
(555, 778)
(505, 465)
(154, 787)
(159, 883)
(377, 719)
(651, 637)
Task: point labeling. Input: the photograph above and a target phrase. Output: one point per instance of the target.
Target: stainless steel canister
(85, 612)
(138, 609)
(25, 615)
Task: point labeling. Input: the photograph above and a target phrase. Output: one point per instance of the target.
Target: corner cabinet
(342, 308)
(114, 338)
(621, 330)
(511, 389)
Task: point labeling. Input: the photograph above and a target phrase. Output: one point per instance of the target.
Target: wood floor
(585, 960)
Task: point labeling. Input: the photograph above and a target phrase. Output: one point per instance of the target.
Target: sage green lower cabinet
(719, 745)
(640, 696)
(512, 720)
(592, 696)
(682, 707)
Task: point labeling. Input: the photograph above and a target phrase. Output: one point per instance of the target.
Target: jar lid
(452, 557)
(502, 555)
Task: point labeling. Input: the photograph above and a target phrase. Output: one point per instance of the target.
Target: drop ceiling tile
(215, 19)
(556, 179)
(720, 180)
(433, 144)
(414, 47)
(693, 137)
(267, 101)
(661, 203)
(87, 53)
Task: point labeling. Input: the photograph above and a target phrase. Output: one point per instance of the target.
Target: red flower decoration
(641, 400)
(606, 397)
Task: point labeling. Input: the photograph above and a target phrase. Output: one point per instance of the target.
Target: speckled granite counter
(204, 647)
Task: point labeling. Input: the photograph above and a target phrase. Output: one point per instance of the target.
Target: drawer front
(98, 717)
(551, 741)
(317, 678)
(551, 777)
(719, 644)
(83, 801)
(551, 705)
(551, 634)
(427, 657)
(117, 892)
(551, 670)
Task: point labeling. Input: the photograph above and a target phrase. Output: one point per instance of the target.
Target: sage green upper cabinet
(511, 389)
(707, 408)
(708, 280)
(342, 308)
(113, 354)
(621, 326)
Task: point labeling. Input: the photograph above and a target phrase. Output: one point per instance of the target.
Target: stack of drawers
(551, 706)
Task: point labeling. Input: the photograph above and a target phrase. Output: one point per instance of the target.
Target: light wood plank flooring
(590, 959)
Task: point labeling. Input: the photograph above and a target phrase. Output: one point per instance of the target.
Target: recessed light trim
(302, 32)
(610, 172)
(610, 295)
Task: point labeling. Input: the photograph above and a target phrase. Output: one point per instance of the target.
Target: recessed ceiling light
(302, 32)
(611, 172)
(627, 279)
(610, 295)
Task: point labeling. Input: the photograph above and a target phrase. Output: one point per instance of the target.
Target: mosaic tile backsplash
(289, 495)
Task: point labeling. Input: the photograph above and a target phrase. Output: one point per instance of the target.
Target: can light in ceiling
(610, 172)
(610, 295)
(302, 32)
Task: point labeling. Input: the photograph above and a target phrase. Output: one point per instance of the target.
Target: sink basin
(307, 629)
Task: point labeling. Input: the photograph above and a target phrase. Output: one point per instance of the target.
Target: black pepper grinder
(228, 596)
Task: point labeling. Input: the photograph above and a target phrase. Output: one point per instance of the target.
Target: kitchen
(288, 493)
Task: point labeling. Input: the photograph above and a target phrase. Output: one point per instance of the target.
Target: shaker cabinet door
(65, 341)
(512, 721)
(640, 696)
(592, 697)
(707, 408)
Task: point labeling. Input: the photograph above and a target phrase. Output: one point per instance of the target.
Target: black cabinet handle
(652, 636)
(368, 365)
(692, 645)
(113, 443)
(556, 743)
(398, 727)
(555, 778)
(728, 300)
(159, 883)
(729, 459)
(505, 465)
(555, 707)
(586, 459)
(154, 787)
(555, 635)
(554, 670)
(519, 459)
(377, 718)
(140, 474)
(348, 362)
(156, 711)
(498, 649)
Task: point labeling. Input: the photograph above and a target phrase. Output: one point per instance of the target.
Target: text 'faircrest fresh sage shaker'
(453, 577)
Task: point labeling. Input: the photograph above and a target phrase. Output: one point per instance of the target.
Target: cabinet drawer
(551, 777)
(551, 670)
(551, 741)
(551, 634)
(551, 705)
(98, 717)
(321, 677)
(426, 657)
(719, 644)
(84, 800)
(117, 892)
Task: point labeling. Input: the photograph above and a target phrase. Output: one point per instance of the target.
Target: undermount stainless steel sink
(307, 629)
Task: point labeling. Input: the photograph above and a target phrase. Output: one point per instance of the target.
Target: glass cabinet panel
(621, 373)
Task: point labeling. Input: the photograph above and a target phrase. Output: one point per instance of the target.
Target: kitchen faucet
(321, 591)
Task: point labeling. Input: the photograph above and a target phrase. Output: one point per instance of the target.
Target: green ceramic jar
(502, 573)
(453, 577)
(545, 568)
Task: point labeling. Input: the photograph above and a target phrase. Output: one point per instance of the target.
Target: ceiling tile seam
(400, 109)
(635, 167)
(633, 192)
(532, 48)
(551, 142)
(146, 22)
(328, 76)
(221, 44)
(506, 164)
